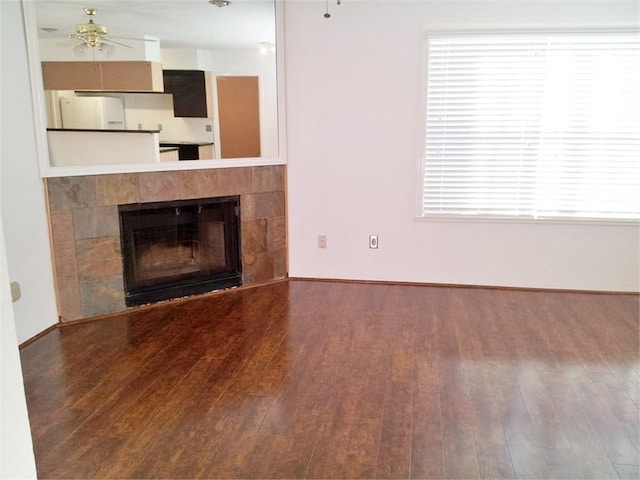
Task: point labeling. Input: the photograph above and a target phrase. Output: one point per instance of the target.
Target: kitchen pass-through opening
(180, 248)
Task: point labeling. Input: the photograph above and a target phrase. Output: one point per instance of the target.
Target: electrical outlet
(160, 126)
(373, 241)
(139, 126)
(322, 241)
(208, 128)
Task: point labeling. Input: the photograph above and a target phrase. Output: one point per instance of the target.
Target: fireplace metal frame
(189, 285)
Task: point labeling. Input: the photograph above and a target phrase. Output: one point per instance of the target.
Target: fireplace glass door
(175, 249)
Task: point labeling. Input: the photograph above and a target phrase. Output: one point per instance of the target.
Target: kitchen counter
(164, 143)
(79, 147)
(169, 154)
(191, 150)
(99, 130)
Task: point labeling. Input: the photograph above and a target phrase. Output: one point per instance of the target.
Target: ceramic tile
(262, 205)
(277, 233)
(233, 181)
(61, 226)
(267, 179)
(89, 268)
(102, 295)
(118, 189)
(70, 303)
(159, 186)
(257, 268)
(96, 222)
(279, 261)
(200, 184)
(98, 257)
(254, 236)
(65, 259)
(71, 192)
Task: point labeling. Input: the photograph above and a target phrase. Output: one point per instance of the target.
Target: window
(533, 126)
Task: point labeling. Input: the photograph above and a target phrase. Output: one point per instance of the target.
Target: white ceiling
(177, 23)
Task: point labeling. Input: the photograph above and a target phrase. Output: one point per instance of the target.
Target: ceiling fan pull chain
(326, 8)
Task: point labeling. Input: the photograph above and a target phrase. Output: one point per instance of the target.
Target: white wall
(24, 215)
(355, 134)
(16, 450)
(149, 111)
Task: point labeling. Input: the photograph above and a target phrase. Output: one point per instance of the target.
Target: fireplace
(179, 248)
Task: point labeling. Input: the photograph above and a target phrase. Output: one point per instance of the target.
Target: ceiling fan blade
(140, 39)
(108, 39)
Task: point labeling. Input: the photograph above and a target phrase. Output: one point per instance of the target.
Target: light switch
(15, 291)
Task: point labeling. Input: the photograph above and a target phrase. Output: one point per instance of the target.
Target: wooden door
(239, 116)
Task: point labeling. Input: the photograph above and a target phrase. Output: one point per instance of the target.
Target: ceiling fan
(93, 35)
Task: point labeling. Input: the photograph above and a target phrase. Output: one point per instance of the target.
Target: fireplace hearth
(179, 248)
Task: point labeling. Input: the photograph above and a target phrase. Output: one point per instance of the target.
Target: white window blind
(536, 126)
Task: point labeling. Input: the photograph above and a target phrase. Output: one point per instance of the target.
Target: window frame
(488, 218)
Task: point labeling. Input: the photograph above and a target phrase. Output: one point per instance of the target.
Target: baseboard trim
(38, 336)
(164, 303)
(461, 285)
(175, 301)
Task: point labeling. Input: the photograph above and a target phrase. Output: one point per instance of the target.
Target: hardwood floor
(306, 379)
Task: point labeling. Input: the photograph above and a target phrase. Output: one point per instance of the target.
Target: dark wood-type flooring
(303, 379)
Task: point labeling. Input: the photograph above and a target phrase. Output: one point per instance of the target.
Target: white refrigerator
(92, 113)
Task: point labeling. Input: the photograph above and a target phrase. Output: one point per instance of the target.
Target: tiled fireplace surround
(86, 233)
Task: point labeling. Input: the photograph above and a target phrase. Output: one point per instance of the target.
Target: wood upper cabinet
(71, 75)
(120, 75)
(135, 76)
(192, 92)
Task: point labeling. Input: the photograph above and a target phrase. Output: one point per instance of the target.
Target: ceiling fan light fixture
(91, 33)
(90, 28)
(80, 50)
(106, 49)
(219, 3)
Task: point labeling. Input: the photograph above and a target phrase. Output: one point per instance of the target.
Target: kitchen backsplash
(147, 112)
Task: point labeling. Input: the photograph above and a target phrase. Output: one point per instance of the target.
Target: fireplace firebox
(179, 248)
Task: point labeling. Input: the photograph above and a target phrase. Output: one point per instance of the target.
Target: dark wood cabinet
(192, 151)
(191, 90)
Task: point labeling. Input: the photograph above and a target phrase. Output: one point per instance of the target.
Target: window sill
(521, 220)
